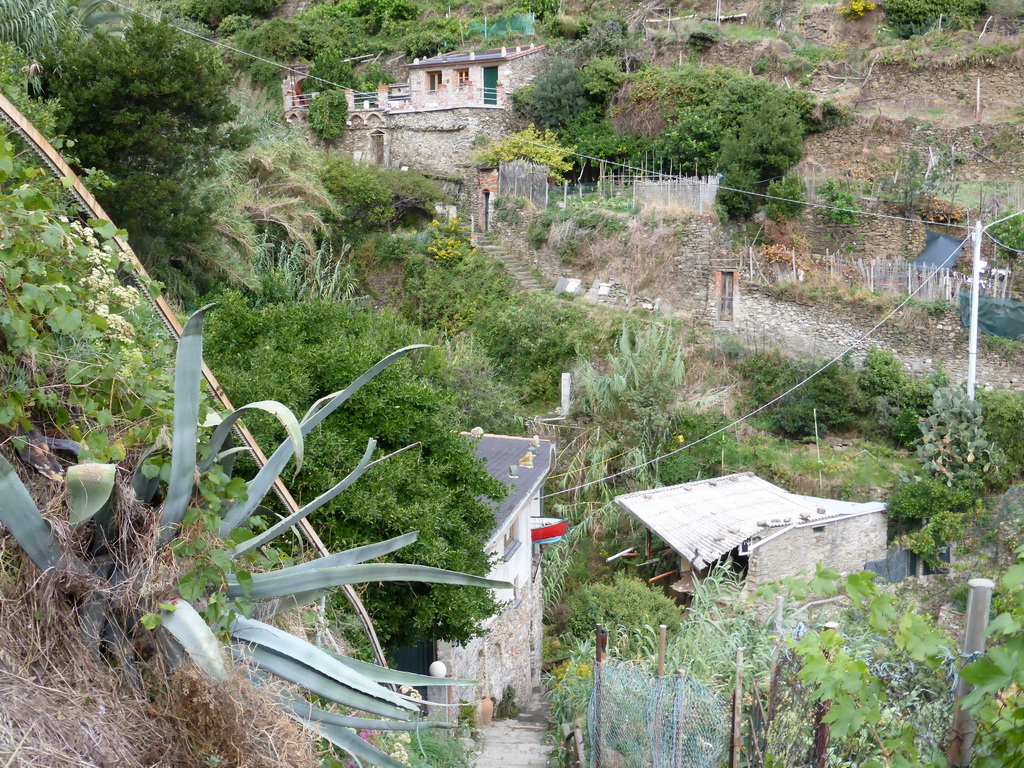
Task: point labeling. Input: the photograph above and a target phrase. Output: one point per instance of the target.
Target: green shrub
(627, 601)
(882, 374)
(931, 514)
(832, 194)
(1004, 422)
(533, 340)
(327, 114)
(213, 12)
(558, 95)
(911, 17)
(790, 188)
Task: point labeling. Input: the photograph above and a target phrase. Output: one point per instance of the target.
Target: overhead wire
(764, 406)
(661, 175)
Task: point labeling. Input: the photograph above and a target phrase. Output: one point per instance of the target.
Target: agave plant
(266, 653)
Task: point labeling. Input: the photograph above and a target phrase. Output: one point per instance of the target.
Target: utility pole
(972, 344)
(979, 602)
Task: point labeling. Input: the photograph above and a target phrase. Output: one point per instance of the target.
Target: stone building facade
(507, 656)
(845, 544)
(823, 330)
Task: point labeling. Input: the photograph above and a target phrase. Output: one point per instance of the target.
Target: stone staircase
(522, 273)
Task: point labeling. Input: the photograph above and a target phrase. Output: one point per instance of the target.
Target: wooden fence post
(736, 749)
(599, 659)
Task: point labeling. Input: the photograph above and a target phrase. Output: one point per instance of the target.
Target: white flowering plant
(76, 351)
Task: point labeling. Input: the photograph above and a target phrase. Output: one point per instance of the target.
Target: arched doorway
(487, 211)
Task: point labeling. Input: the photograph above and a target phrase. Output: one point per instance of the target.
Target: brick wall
(845, 545)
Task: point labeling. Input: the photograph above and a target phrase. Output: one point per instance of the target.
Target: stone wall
(870, 238)
(509, 654)
(439, 141)
(822, 330)
(699, 243)
(845, 545)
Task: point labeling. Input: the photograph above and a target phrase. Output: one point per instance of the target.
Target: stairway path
(513, 265)
(516, 743)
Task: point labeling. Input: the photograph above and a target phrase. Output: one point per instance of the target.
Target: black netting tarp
(996, 317)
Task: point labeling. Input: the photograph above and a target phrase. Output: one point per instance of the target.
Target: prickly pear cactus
(954, 444)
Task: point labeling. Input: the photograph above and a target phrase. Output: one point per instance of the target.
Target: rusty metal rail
(57, 166)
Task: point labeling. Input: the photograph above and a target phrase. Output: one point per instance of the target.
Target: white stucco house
(508, 655)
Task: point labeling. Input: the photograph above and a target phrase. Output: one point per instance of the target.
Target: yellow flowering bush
(450, 241)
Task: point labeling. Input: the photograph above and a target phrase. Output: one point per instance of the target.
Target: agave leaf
(29, 528)
(282, 413)
(358, 554)
(296, 706)
(288, 645)
(316, 683)
(265, 478)
(307, 711)
(89, 488)
(283, 525)
(188, 370)
(385, 675)
(355, 746)
(196, 637)
(289, 602)
(288, 582)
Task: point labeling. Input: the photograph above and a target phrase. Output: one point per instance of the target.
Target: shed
(772, 532)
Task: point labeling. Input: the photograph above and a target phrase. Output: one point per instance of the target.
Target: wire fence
(888, 277)
(639, 720)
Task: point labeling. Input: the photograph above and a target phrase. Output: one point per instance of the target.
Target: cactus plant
(954, 444)
(210, 637)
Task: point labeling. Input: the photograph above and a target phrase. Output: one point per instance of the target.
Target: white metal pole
(972, 344)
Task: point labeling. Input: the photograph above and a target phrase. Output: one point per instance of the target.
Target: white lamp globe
(437, 669)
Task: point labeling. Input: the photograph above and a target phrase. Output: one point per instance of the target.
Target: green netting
(637, 720)
(996, 317)
(502, 26)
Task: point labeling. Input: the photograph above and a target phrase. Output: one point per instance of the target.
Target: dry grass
(69, 698)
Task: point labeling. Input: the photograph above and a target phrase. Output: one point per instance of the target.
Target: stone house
(509, 654)
(768, 532)
(434, 122)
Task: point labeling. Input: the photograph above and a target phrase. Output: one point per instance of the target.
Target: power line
(228, 47)
(661, 175)
(760, 408)
(671, 177)
(1001, 244)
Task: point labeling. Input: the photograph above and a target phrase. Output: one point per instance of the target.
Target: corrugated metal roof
(463, 57)
(499, 452)
(706, 519)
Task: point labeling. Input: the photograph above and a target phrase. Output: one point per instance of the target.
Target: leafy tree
(294, 352)
(601, 78)
(767, 144)
(153, 111)
(558, 94)
(531, 144)
(369, 197)
(1011, 234)
(790, 188)
(327, 114)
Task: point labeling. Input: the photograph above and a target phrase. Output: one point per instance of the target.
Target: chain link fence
(639, 720)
